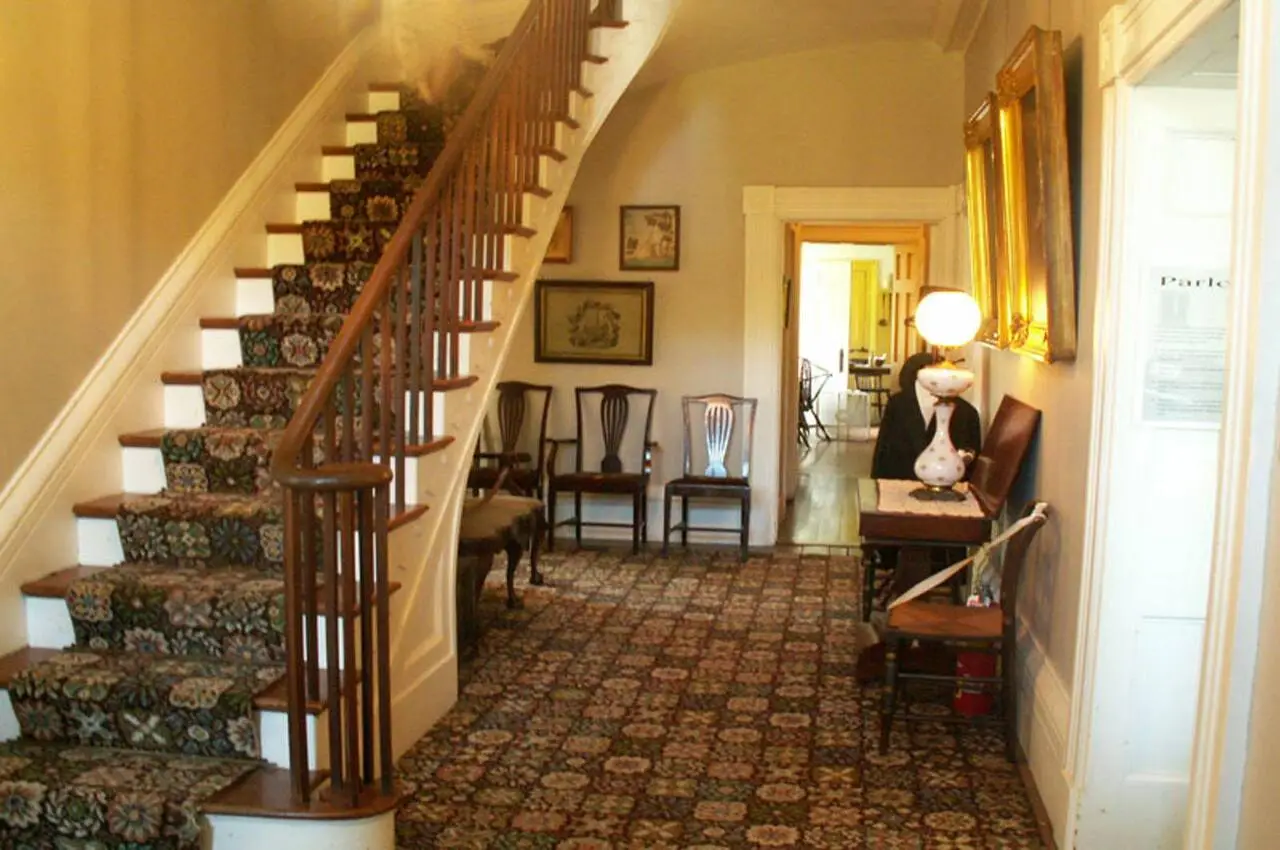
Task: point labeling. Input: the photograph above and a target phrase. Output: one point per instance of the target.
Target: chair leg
(684, 522)
(644, 516)
(577, 517)
(889, 700)
(868, 583)
(535, 542)
(746, 526)
(1009, 684)
(635, 523)
(551, 520)
(514, 551)
(666, 522)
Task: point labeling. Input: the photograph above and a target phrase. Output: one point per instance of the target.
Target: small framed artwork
(650, 239)
(560, 249)
(581, 321)
(988, 252)
(1035, 183)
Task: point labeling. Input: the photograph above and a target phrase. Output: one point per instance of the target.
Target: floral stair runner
(151, 712)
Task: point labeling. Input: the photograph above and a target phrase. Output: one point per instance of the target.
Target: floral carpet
(694, 702)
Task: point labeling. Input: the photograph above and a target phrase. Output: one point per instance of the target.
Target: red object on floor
(972, 700)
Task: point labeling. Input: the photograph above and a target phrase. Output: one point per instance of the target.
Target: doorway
(854, 294)
(1165, 317)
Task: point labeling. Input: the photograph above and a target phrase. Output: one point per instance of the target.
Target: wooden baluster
(368, 534)
(347, 393)
(309, 566)
(400, 320)
(294, 669)
(454, 212)
(368, 399)
(466, 235)
(427, 282)
(387, 335)
(581, 39)
(329, 520)
(415, 355)
(349, 603)
(383, 652)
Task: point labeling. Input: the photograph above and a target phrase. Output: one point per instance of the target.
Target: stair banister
(372, 398)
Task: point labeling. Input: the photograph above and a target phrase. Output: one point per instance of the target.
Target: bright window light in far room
(948, 319)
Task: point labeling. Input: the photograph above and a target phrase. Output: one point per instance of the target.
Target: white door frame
(1136, 37)
(767, 209)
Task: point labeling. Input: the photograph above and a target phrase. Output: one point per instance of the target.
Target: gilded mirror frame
(1036, 190)
(988, 246)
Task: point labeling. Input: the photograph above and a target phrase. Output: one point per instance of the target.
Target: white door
(824, 324)
(1160, 496)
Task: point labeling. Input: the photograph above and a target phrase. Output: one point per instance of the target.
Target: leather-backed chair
(613, 476)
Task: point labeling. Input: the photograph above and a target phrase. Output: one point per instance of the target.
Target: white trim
(1135, 38)
(78, 451)
(767, 209)
(1042, 728)
(1248, 439)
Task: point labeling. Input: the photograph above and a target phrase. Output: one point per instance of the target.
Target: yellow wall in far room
(126, 121)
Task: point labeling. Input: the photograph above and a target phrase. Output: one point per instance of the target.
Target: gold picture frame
(1036, 192)
(988, 249)
(560, 248)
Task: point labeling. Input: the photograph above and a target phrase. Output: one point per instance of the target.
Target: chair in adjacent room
(718, 416)
(986, 630)
(521, 414)
(812, 381)
(612, 475)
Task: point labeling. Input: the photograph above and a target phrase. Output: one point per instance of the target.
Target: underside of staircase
(153, 690)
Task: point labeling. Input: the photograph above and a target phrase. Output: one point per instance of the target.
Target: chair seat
(488, 520)
(958, 622)
(708, 481)
(484, 477)
(601, 482)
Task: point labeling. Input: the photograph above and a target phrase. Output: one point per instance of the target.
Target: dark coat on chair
(903, 435)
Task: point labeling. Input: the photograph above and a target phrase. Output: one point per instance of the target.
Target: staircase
(263, 621)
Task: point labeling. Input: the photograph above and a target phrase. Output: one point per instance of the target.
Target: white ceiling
(710, 33)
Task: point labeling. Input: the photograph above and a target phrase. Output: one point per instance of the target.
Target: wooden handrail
(342, 458)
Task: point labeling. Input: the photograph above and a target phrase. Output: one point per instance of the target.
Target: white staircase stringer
(423, 652)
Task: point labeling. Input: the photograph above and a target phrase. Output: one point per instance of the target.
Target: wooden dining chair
(718, 416)
(520, 450)
(992, 629)
(611, 476)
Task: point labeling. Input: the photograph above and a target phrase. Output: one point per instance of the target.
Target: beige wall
(126, 121)
(875, 115)
(1051, 594)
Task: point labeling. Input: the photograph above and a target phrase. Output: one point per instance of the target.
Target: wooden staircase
(357, 399)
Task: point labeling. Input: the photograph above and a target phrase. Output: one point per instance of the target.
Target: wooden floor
(825, 510)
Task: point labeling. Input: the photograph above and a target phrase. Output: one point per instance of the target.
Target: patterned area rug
(694, 702)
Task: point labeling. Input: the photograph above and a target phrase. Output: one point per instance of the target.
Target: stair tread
(193, 378)
(20, 659)
(233, 323)
(56, 584)
(249, 272)
(108, 507)
(153, 438)
(362, 116)
(267, 792)
(554, 153)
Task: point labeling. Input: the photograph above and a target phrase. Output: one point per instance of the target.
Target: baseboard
(1045, 709)
(77, 456)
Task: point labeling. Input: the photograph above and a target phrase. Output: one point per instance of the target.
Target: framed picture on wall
(1036, 189)
(560, 249)
(649, 238)
(988, 251)
(579, 321)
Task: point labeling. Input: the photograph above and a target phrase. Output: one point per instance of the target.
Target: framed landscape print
(579, 321)
(987, 246)
(649, 239)
(560, 249)
(1036, 189)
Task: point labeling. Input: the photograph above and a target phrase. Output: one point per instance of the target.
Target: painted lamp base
(940, 466)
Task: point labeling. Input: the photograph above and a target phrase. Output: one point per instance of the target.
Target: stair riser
(184, 407)
(338, 167)
(220, 348)
(383, 101)
(256, 296)
(273, 733)
(144, 471)
(286, 249)
(362, 132)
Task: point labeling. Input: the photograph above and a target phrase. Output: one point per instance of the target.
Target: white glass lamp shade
(948, 319)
